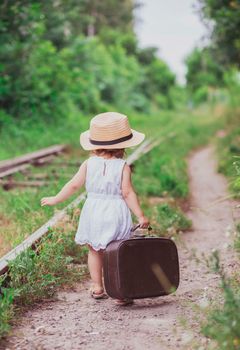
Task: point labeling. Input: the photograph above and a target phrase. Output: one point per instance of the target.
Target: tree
(60, 55)
(147, 55)
(111, 14)
(203, 70)
(223, 20)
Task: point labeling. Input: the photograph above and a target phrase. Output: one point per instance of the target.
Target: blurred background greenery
(61, 58)
(63, 61)
(60, 55)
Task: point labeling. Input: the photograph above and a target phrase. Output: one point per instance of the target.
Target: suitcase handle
(134, 228)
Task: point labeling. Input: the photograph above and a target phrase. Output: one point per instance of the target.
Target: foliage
(232, 83)
(158, 78)
(61, 21)
(164, 170)
(47, 265)
(236, 184)
(169, 219)
(36, 274)
(161, 171)
(57, 57)
(237, 236)
(6, 307)
(204, 74)
(229, 144)
(205, 66)
(202, 69)
(223, 20)
(223, 323)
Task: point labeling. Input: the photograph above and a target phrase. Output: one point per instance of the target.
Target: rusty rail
(29, 158)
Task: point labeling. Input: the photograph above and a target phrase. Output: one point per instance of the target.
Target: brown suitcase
(141, 268)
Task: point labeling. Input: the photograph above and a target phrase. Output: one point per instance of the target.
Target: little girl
(105, 215)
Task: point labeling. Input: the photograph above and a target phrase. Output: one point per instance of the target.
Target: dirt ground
(75, 321)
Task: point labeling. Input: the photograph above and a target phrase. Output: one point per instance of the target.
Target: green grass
(20, 208)
(26, 135)
(223, 319)
(228, 148)
(161, 172)
(166, 218)
(237, 238)
(6, 308)
(164, 170)
(160, 178)
(36, 274)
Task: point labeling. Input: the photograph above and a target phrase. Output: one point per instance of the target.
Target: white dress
(105, 216)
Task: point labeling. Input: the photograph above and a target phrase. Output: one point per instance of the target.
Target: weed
(166, 219)
(6, 307)
(237, 238)
(229, 149)
(36, 274)
(223, 323)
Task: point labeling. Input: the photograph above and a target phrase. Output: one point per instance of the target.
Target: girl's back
(104, 176)
(105, 215)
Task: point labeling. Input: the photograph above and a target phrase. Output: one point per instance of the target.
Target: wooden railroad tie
(9, 184)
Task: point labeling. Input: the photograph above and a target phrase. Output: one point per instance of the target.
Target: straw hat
(109, 131)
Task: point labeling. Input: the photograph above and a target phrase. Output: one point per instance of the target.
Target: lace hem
(98, 247)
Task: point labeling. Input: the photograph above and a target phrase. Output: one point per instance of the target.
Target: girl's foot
(124, 302)
(98, 293)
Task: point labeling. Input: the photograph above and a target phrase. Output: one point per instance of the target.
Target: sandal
(98, 295)
(124, 302)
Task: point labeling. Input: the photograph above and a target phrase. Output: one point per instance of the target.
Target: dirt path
(75, 321)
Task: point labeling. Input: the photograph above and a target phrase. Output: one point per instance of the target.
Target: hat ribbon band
(111, 142)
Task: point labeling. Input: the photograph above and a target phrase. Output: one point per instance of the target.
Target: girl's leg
(95, 265)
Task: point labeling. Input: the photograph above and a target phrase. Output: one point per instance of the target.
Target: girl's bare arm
(71, 187)
(131, 198)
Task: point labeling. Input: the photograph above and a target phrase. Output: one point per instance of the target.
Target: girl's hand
(48, 201)
(143, 221)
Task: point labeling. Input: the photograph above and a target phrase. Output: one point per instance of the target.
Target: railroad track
(22, 164)
(36, 236)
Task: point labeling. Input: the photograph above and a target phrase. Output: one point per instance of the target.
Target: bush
(200, 95)
(86, 74)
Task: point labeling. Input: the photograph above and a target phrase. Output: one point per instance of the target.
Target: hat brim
(136, 139)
